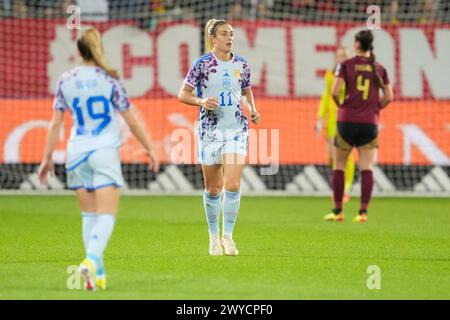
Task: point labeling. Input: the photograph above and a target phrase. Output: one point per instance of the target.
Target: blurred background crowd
(149, 12)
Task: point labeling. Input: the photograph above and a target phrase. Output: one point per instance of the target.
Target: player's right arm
(47, 165)
(186, 96)
(336, 89)
(338, 81)
(192, 80)
(59, 107)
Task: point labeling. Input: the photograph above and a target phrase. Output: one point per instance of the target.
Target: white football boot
(87, 271)
(228, 244)
(215, 247)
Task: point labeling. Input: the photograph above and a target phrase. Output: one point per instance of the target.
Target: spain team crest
(237, 73)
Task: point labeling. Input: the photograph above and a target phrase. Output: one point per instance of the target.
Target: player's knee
(365, 167)
(232, 186)
(214, 190)
(339, 165)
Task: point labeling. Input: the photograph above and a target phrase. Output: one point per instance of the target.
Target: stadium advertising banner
(287, 59)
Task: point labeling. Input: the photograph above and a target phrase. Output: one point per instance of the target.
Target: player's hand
(153, 164)
(209, 103)
(319, 127)
(255, 117)
(45, 168)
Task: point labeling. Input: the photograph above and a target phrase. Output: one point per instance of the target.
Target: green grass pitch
(159, 250)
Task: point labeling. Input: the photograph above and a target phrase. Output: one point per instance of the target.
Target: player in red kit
(358, 118)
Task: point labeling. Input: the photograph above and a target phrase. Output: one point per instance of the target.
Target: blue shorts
(94, 170)
(211, 152)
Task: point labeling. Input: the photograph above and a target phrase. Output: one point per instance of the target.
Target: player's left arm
(47, 165)
(388, 96)
(336, 89)
(138, 131)
(122, 104)
(250, 103)
(386, 87)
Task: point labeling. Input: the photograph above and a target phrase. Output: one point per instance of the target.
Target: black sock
(337, 211)
(361, 211)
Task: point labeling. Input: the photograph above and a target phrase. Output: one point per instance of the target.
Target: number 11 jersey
(225, 81)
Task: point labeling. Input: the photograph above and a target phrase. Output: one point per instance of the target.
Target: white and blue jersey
(225, 81)
(92, 97)
(224, 130)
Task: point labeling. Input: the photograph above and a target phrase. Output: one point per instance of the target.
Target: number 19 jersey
(92, 96)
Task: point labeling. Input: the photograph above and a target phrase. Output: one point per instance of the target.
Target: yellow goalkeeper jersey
(327, 106)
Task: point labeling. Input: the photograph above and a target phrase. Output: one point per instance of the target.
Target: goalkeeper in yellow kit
(328, 114)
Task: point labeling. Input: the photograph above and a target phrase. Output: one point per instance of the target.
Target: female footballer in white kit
(92, 92)
(221, 78)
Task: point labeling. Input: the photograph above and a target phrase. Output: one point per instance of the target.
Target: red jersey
(362, 99)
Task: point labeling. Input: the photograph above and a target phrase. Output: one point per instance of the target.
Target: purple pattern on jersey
(244, 82)
(209, 120)
(245, 77)
(59, 102)
(119, 97)
(241, 134)
(208, 124)
(355, 108)
(239, 115)
(197, 77)
(200, 71)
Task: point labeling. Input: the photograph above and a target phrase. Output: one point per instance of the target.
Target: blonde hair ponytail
(210, 31)
(90, 46)
(207, 37)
